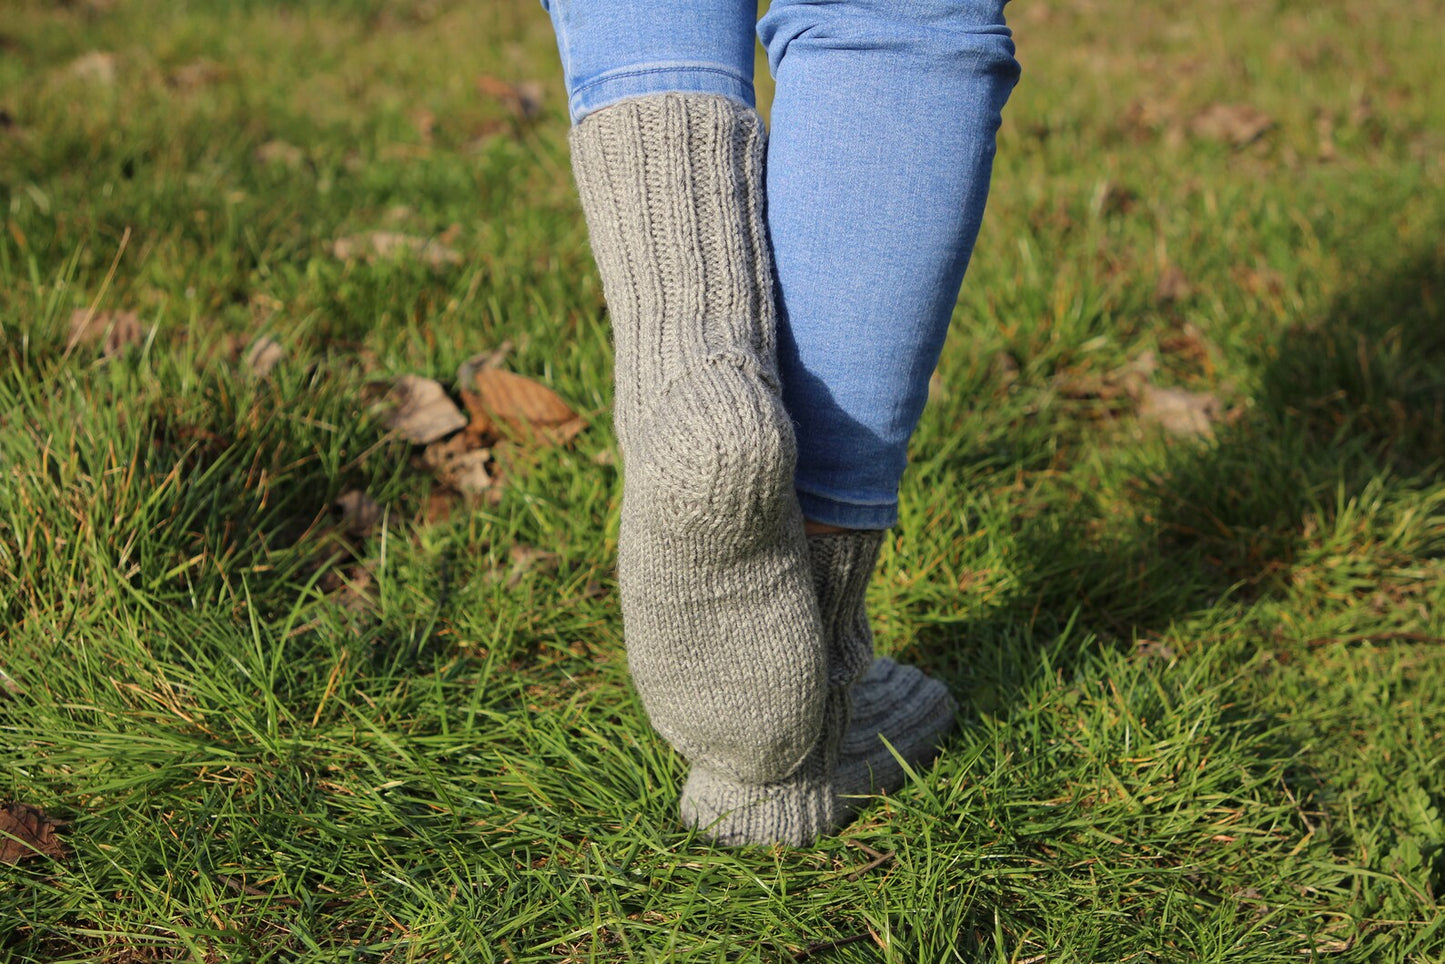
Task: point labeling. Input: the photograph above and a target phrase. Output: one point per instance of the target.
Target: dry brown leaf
(458, 462)
(1153, 649)
(264, 355)
(436, 455)
(495, 358)
(1172, 286)
(469, 473)
(527, 559)
(1111, 199)
(197, 73)
(1180, 411)
(503, 403)
(1005, 367)
(26, 831)
(113, 331)
(1236, 124)
(425, 123)
(1190, 344)
(280, 152)
(522, 100)
(359, 512)
(379, 245)
(1137, 373)
(1087, 385)
(8, 686)
(420, 410)
(96, 67)
(351, 588)
(440, 503)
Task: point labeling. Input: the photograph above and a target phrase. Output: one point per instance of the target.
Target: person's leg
(879, 158)
(720, 621)
(878, 167)
(615, 49)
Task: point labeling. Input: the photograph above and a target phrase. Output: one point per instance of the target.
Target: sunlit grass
(1199, 676)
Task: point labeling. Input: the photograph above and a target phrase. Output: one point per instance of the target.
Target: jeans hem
(645, 79)
(847, 515)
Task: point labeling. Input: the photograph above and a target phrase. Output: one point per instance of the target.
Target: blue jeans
(879, 155)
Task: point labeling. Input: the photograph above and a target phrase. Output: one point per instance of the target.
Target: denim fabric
(881, 146)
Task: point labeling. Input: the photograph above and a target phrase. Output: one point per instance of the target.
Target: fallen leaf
(1325, 130)
(459, 463)
(506, 404)
(8, 686)
(1004, 367)
(376, 245)
(1087, 385)
(1236, 124)
(1179, 411)
(280, 152)
(420, 410)
(440, 503)
(1153, 649)
(495, 358)
(1172, 286)
(527, 559)
(1111, 199)
(425, 123)
(26, 831)
(1189, 344)
(96, 67)
(1143, 119)
(470, 473)
(351, 588)
(522, 100)
(113, 331)
(1134, 376)
(197, 73)
(359, 512)
(264, 354)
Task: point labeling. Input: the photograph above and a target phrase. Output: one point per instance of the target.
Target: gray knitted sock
(867, 699)
(899, 704)
(718, 612)
(892, 704)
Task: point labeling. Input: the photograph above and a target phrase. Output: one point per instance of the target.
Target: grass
(1201, 678)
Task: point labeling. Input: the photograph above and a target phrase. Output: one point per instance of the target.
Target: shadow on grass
(1350, 407)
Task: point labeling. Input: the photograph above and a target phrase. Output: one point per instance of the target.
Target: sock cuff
(672, 186)
(843, 565)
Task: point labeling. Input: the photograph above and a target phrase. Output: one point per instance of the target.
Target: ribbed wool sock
(892, 704)
(867, 700)
(719, 618)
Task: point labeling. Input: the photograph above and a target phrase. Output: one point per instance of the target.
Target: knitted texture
(719, 618)
(892, 704)
(897, 704)
(869, 702)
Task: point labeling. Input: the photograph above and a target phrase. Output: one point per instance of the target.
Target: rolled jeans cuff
(848, 515)
(640, 80)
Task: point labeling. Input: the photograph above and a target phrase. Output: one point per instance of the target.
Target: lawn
(280, 682)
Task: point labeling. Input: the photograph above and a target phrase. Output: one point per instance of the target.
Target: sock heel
(716, 450)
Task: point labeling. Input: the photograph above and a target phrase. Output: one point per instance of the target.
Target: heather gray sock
(869, 701)
(897, 703)
(719, 618)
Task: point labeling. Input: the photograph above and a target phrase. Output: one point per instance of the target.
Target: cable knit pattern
(721, 627)
(867, 700)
